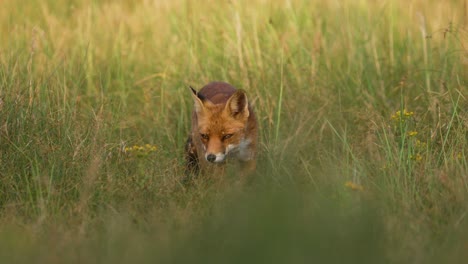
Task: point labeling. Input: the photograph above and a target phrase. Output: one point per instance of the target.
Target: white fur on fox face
(243, 151)
(244, 144)
(229, 148)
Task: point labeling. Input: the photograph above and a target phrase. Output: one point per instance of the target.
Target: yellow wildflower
(407, 114)
(420, 144)
(398, 115)
(417, 157)
(141, 149)
(412, 133)
(354, 186)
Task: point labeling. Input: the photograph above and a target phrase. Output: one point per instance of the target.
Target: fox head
(220, 127)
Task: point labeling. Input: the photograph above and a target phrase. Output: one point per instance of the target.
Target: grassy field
(363, 112)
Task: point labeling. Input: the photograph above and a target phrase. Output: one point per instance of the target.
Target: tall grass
(363, 116)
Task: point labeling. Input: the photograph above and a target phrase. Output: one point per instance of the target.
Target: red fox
(224, 127)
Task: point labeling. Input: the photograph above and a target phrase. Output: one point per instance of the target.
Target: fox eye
(204, 136)
(227, 136)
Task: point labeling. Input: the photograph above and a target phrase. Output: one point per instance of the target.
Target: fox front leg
(192, 165)
(247, 169)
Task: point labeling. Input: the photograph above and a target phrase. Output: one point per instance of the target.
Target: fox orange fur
(224, 129)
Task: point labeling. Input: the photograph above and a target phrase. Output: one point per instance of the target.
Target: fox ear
(197, 100)
(238, 105)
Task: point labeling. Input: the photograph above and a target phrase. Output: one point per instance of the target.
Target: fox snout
(214, 148)
(211, 157)
(215, 158)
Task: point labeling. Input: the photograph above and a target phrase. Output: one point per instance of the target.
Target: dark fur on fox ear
(238, 104)
(198, 101)
(197, 94)
(193, 90)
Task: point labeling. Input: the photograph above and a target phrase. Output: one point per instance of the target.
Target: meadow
(363, 114)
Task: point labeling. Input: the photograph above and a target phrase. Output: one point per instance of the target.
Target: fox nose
(211, 157)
